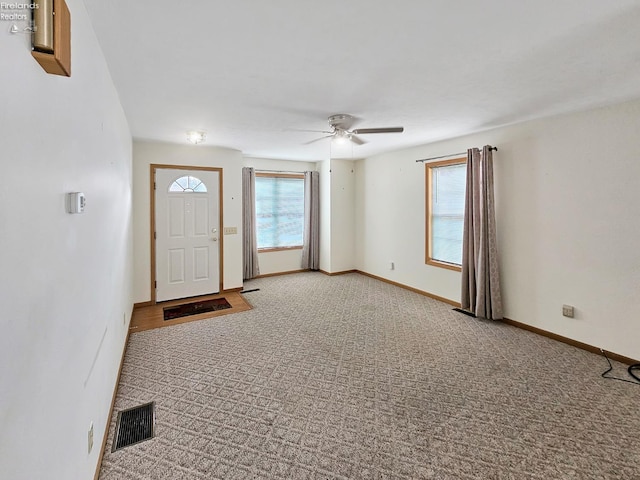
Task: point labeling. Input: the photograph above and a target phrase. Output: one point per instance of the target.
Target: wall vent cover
(134, 425)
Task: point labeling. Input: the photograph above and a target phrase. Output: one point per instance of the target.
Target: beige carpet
(347, 377)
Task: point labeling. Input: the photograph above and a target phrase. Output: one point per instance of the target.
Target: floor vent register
(134, 425)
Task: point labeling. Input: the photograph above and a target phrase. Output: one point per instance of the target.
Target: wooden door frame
(152, 177)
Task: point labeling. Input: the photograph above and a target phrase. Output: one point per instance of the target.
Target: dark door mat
(195, 308)
(135, 425)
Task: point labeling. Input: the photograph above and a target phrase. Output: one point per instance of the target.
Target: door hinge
(154, 235)
(154, 185)
(155, 284)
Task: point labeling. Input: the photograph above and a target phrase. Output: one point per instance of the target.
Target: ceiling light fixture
(196, 137)
(341, 137)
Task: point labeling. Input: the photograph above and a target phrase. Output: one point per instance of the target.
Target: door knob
(214, 239)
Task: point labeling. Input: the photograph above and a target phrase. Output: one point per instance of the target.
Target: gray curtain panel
(249, 229)
(311, 243)
(480, 276)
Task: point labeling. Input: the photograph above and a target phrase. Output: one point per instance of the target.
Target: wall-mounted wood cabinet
(58, 61)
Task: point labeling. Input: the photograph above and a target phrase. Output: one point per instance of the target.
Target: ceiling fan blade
(357, 140)
(317, 139)
(360, 131)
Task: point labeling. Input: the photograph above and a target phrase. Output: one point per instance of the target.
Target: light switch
(230, 230)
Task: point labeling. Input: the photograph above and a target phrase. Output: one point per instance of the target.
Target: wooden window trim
(278, 249)
(429, 260)
(448, 266)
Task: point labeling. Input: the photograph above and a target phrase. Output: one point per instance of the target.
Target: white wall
(324, 167)
(66, 281)
(147, 153)
(343, 215)
(568, 205)
(390, 209)
(283, 260)
(337, 215)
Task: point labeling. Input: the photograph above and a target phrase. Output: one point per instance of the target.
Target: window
(446, 182)
(279, 210)
(188, 184)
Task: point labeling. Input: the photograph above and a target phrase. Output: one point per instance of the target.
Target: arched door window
(188, 184)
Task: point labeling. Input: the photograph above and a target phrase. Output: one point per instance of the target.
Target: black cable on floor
(631, 368)
(249, 291)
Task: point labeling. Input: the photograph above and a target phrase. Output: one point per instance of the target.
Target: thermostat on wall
(75, 202)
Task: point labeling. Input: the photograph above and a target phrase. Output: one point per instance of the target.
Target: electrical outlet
(90, 437)
(230, 230)
(567, 311)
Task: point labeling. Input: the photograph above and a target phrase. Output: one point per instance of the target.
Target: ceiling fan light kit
(340, 132)
(341, 137)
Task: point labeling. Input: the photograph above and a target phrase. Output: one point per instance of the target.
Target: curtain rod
(450, 155)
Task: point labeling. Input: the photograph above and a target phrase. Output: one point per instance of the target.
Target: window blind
(279, 211)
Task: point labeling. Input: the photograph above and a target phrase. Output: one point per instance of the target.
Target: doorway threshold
(152, 316)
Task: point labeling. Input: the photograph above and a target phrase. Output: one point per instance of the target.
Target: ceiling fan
(340, 130)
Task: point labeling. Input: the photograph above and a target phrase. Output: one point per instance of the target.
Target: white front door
(187, 233)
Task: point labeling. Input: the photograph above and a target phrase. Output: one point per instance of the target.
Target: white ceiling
(245, 71)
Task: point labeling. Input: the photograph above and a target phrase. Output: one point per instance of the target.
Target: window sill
(448, 266)
(278, 249)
